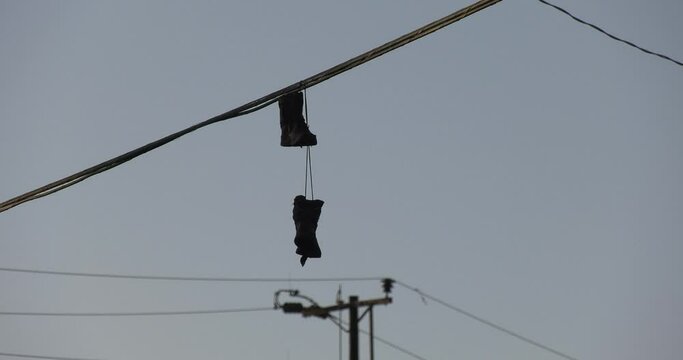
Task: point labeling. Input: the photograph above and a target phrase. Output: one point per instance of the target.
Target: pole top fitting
(387, 285)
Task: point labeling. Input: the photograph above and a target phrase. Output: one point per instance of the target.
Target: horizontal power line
(191, 278)
(265, 279)
(613, 37)
(253, 105)
(143, 313)
(486, 322)
(16, 355)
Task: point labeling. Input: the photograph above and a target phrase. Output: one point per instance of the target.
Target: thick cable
(16, 355)
(190, 278)
(486, 322)
(253, 105)
(83, 175)
(610, 35)
(143, 313)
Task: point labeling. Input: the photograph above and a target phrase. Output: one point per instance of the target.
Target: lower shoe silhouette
(306, 214)
(295, 132)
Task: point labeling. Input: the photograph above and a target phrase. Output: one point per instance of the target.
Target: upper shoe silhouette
(295, 132)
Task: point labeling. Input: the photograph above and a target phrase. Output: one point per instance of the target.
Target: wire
(485, 322)
(41, 356)
(149, 313)
(399, 348)
(114, 162)
(309, 165)
(610, 35)
(422, 294)
(253, 105)
(189, 278)
(339, 323)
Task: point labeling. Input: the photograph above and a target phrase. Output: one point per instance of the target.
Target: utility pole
(353, 305)
(353, 327)
(372, 334)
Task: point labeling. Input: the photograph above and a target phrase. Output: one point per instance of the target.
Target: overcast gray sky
(516, 164)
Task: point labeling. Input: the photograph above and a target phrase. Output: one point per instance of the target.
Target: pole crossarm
(324, 311)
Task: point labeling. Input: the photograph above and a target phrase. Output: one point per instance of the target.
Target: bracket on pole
(325, 312)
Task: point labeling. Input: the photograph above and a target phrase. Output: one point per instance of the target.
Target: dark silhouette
(306, 214)
(294, 129)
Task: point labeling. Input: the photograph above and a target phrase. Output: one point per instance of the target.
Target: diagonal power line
(253, 105)
(613, 37)
(27, 356)
(487, 322)
(340, 323)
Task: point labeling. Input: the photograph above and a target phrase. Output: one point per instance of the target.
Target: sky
(516, 164)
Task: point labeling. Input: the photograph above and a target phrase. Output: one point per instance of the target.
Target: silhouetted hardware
(292, 307)
(326, 312)
(306, 214)
(294, 129)
(387, 284)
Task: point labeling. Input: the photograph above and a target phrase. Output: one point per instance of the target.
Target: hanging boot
(306, 214)
(295, 132)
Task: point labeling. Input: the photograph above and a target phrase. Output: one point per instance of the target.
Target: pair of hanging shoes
(306, 212)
